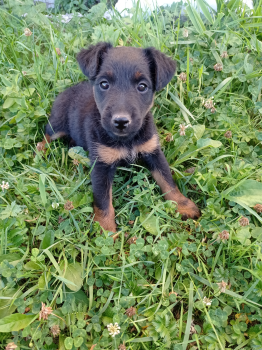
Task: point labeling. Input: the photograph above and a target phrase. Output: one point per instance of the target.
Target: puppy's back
(67, 106)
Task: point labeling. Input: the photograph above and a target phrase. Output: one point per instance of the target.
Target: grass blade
(189, 316)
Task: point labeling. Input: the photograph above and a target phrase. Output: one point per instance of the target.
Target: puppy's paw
(189, 210)
(106, 220)
(109, 226)
(40, 148)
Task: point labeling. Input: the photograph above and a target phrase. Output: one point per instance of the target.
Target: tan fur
(106, 219)
(48, 139)
(184, 205)
(149, 146)
(41, 145)
(56, 136)
(138, 75)
(165, 187)
(111, 155)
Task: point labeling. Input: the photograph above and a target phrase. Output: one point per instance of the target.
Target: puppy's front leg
(157, 164)
(102, 178)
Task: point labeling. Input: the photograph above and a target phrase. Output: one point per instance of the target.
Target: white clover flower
(5, 185)
(207, 301)
(182, 130)
(55, 205)
(113, 329)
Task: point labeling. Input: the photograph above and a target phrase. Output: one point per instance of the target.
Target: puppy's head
(124, 81)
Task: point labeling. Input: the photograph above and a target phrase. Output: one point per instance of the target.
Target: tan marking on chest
(111, 155)
(149, 146)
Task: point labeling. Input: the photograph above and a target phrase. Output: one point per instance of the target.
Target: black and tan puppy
(110, 117)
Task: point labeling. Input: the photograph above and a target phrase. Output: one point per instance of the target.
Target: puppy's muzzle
(121, 122)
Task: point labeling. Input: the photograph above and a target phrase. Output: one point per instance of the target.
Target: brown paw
(109, 226)
(189, 210)
(106, 220)
(41, 146)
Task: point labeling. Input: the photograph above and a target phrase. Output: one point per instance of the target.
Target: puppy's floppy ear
(162, 67)
(91, 59)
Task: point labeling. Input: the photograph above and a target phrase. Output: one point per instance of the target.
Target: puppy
(110, 117)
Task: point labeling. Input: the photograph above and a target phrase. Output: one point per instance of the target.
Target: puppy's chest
(111, 155)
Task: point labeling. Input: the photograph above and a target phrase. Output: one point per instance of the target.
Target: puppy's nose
(121, 122)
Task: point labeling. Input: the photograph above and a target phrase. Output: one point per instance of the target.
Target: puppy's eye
(142, 87)
(104, 85)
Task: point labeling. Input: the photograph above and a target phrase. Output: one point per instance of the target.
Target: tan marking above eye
(138, 75)
(148, 146)
(111, 155)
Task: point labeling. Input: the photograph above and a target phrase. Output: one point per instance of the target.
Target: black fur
(88, 114)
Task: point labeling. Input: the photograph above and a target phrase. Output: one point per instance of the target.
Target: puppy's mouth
(120, 133)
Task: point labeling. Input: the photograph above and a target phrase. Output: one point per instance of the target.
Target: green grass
(159, 265)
